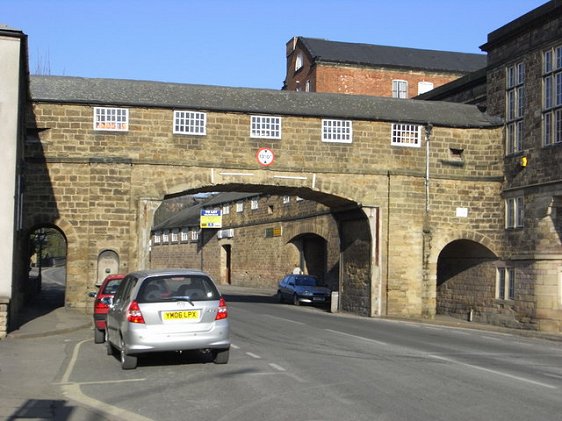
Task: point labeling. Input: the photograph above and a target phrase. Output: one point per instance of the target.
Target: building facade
(317, 65)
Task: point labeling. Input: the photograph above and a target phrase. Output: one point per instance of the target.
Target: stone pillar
(146, 210)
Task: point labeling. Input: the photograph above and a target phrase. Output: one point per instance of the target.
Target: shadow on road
(49, 298)
(250, 298)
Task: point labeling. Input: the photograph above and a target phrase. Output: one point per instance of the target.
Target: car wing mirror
(92, 294)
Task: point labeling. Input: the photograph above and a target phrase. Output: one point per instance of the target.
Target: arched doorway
(466, 274)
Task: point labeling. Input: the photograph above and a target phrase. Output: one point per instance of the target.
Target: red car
(101, 304)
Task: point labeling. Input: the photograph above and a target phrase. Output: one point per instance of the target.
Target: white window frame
(337, 131)
(239, 207)
(194, 235)
(157, 238)
(406, 135)
(400, 88)
(111, 119)
(174, 235)
(265, 127)
(505, 283)
(184, 235)
(166, 236)
(299, 61)
(190, 122)
(254, 204)
(286, 199)
(424, 87)
(514, 212)
(226, 210)
(514, 107)
(552, 96)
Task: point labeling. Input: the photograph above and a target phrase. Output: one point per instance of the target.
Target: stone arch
(465, 279)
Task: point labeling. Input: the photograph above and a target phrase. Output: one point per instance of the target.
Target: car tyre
(296, 300)
(128, 362)
(280, 297)
(221, 356)
(99, 336)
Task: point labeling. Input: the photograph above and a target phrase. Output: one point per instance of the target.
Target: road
(302, 363)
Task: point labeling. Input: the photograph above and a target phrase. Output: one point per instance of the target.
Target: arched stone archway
(466, 274)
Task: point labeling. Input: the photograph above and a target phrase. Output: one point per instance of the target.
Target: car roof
(167, 272)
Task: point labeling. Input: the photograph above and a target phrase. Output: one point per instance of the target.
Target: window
(175, 235)
(307, 86)
(400, 89)
(406, 135)
(514, 212)
(190, 122)
(184, 235)
(111, 119)
(194, 235)
(552, 96)
(424, 87)
(505, 284)
(299, 61)
(514, 107)
(254, 204)
(266, 127)
(157, 238)
(239, 206)
(286, 200)
(165, 236)
(336, 131)
(226, 209)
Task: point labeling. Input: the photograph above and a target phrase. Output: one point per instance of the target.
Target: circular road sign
(265, 156)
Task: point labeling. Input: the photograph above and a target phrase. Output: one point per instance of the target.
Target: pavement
(34, 356)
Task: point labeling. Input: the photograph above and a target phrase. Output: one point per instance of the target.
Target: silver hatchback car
(167, 310)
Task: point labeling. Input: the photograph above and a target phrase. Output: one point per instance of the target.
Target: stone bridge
(403, 178)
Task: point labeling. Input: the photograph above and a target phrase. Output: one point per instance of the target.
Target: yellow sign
(211, 219)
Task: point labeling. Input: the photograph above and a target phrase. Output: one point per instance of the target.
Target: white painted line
(357, 337)
(250, 354)
(234, 346)
(499, 373)
(72, 361)
(276, 367)
(106, 382)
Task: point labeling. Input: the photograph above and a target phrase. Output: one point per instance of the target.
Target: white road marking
(276, 367)
(357, 337)
(234, 346)
(285, 320)
(250, 354)
(499, 373)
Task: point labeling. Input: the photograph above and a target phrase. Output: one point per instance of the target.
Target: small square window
(400, 89)
(190, 122)
(406, 135)
(265, 127)
(337, 131)
(226, 209)
(239, 206)
(111, 119)
(254, 204)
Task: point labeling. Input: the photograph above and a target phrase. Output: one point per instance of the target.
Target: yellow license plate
(181, 315)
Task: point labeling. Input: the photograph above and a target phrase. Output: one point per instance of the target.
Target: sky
(237, 43)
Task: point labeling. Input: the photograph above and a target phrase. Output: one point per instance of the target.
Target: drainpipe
(428, 129)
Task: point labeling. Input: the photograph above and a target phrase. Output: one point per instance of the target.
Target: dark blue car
(302, 289)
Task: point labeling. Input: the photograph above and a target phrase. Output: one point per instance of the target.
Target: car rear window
(171, 288)
(111, 286)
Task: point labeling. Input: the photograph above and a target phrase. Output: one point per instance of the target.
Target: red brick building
(317, 65)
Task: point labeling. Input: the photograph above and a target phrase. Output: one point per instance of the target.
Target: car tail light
(223, 312)
(134, 314)
(100, 305)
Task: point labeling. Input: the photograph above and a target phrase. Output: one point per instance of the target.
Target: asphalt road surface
(303, 363)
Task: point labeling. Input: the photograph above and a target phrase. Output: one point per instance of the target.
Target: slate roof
(322, 50)
(135, 93)
(189, 217)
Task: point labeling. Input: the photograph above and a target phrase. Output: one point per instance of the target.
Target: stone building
(318, 65)
(247, 249)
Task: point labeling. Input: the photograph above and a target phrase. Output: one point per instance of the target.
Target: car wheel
(128, 362)
(280, 296)
(221, 356)
(296, 300)
(99, 336)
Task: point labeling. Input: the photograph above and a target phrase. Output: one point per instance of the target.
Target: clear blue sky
(234, 42)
